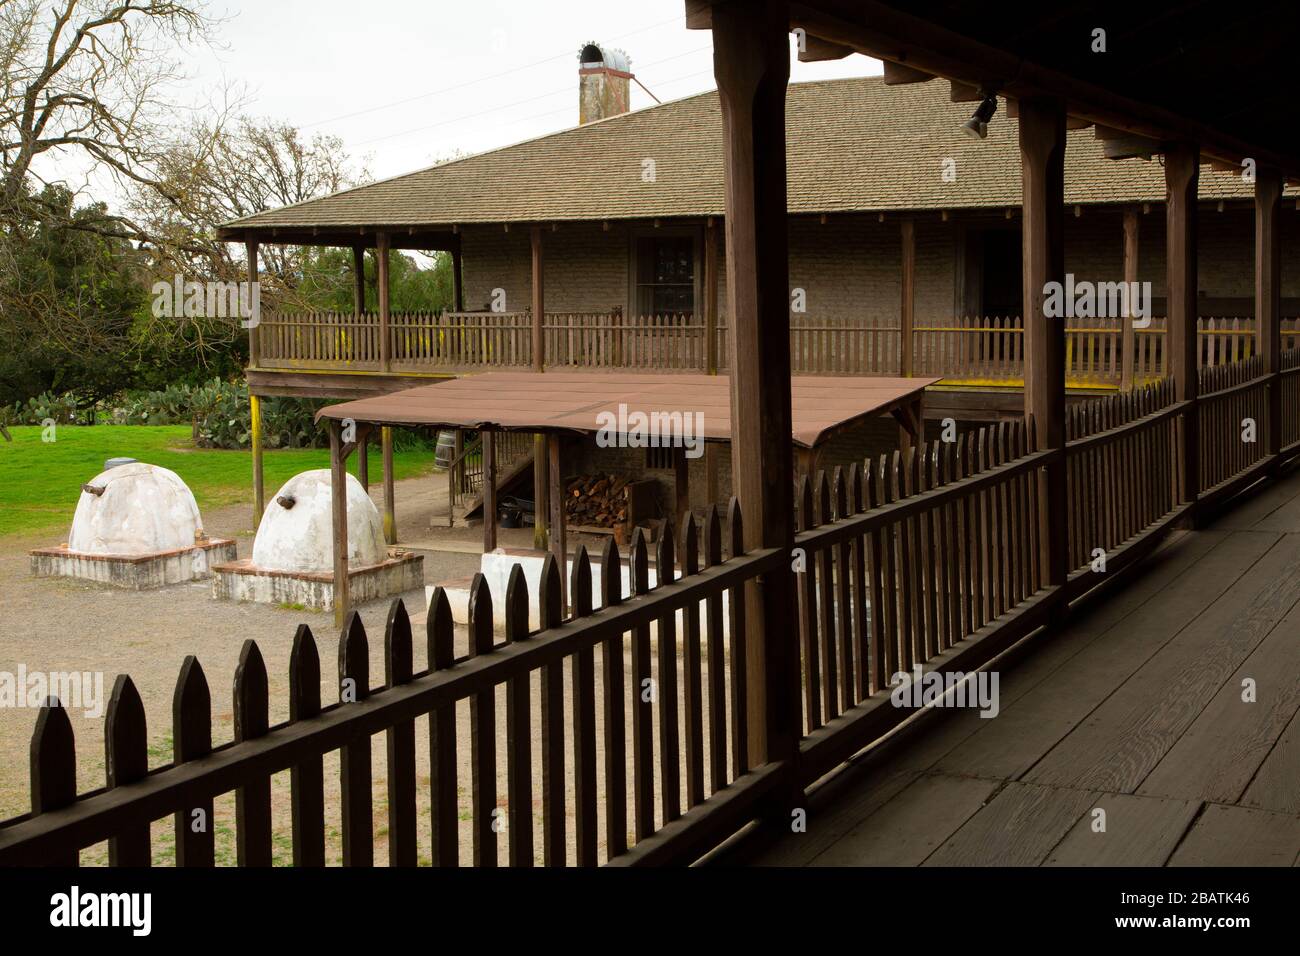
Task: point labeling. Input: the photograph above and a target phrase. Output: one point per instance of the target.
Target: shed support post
(1128, 340)
(1042, 170)
(681, 485)
(457, 278)
(489, 492)
(363, 459)
(558, 544)
(339, 507)
(390, 508)
(1268, 298)
(1182, 170)
(711, 449)
(751, 61)
(259, 479)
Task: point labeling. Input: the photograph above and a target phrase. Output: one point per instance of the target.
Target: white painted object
(144, 509)
(300, 539)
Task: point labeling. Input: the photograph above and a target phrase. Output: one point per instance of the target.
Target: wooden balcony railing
(971, 351)
(930, 558)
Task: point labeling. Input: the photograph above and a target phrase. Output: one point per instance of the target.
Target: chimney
(603, 83)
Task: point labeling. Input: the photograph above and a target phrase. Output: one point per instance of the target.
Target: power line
(478, 79)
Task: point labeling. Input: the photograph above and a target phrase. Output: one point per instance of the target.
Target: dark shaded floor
(1136, 709)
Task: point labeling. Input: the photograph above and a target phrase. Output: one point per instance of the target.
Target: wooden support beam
(254, 343)
(751, 63)
(390, 507)
(1128, 339)
(899, 74)
(381, 281)
(710, 281)
(490, 492)
(959, 92)
(363, 459)
(907, 308)
(681, 485)
(1042, 173)
(1182, 171)
(559, 528)
(457, 279)
(259, 479)
(539, 364)
(1268, 295)
(358, 280)
(339, 509)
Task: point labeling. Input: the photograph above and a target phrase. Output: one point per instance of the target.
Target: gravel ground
(59, 625)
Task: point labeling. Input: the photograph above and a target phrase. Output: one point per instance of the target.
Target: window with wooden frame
(664, 273)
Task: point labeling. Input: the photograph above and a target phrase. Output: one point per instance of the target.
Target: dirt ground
(59, 625)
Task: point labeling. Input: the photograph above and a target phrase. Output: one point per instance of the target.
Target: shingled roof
(854, 145)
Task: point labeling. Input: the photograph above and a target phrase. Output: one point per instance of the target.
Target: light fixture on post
(978, 124)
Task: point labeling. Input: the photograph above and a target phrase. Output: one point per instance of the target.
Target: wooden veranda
(944, 557)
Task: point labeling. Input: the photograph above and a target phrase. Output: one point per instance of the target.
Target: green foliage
(327, 282)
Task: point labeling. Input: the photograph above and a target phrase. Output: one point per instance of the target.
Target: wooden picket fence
(929, 558)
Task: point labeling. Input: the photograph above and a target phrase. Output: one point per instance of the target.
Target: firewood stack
(598, 501)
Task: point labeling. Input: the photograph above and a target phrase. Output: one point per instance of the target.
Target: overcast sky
(408, 82)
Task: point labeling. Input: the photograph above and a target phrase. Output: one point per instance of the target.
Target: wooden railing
(969, 351)
(931, 558)
(465, 471)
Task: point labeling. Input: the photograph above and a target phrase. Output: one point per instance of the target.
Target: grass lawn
(40, 482)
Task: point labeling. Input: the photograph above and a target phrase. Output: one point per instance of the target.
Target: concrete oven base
(135, 572)
(245, 581)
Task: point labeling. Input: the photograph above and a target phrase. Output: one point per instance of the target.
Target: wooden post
(1042, 172)
(907, 312)
(358, 280)
(681, 485)
(363, 459)
(457, 278)
(339, 506)
(1182, 170)
(539, 364)
(390, 508)
(254, 336)
(558, 543)
(711, 344)
(1128, 340)
(489, 492)
(381, 280)
(751, 61)
(1268, 296)
(259, 480)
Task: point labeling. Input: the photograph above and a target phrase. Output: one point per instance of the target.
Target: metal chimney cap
(593, 56)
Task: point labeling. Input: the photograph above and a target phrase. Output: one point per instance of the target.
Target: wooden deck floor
(1136, 708)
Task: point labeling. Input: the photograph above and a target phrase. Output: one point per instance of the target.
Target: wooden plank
(551, 612)
(666, 691)
(643, 783)
(519, 742)
(692, 670)
(737, 605)
(307, 777)
(1240, 836)
(717, 669)
(1182, 170)
(614, 708)
(354, 758)
(400, 741)
(444, 801)
(1276, 785)
(1019, 827)
(192, 740)
(482, 732)
(1137, 725)
(339, 511)
(1139, 831)
(1217, 757)
(253, 799)
(54, 767)
(911, 826)
(126, 750)
(583, 673)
